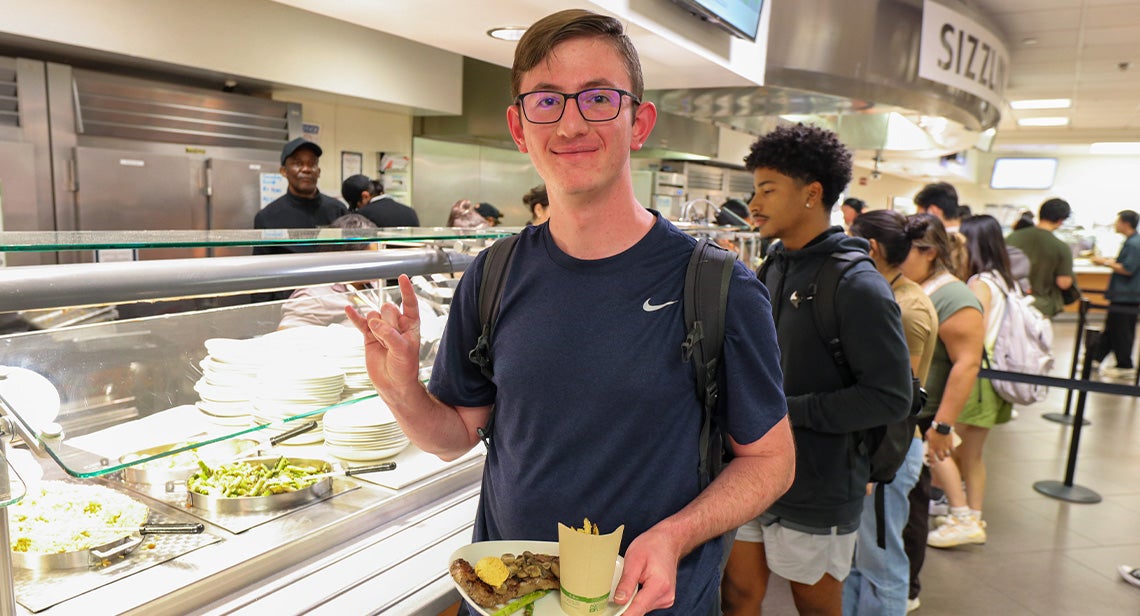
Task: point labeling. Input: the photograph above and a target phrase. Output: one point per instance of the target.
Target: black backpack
(886, 446)
(706, 295)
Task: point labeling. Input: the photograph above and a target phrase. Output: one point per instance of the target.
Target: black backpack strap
(823, 294)
(491, 285)
(706, 299)
(880, 516)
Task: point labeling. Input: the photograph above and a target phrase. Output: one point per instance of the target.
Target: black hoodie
(831, 477)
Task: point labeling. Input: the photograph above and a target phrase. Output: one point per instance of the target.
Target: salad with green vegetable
(252, 479)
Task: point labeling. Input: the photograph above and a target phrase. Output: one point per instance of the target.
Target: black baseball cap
(353, 186)
(486, 210)
(296, 144)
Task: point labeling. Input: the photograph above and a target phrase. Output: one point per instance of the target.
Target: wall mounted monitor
(740, 17)
(1023, 173)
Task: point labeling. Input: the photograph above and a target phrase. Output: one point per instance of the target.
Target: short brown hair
(542, 37)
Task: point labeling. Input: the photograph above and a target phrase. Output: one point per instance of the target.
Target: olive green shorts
(984, 408)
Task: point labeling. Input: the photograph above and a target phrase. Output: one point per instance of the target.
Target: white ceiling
(1071, 49)
(1059, 49)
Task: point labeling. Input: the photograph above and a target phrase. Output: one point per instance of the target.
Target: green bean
(520, 603)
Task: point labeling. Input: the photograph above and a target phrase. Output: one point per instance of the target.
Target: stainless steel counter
(366, 551)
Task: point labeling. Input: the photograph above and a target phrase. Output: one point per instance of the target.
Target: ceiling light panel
(1042, 103)
(1047, 121)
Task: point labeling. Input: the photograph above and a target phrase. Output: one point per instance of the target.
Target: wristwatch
(942, 428)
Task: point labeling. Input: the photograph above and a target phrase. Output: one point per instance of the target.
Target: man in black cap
(490, 212)
(367, 197)
(303, 206)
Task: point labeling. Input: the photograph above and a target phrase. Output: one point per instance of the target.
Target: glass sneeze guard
(16, 489)
(113, 377)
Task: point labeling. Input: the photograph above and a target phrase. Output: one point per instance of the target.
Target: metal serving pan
(285, 500)
(176, 467)
(103, 554)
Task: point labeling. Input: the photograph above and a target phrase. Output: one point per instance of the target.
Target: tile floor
(1044, 557)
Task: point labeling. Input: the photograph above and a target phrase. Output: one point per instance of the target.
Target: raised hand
(392, 342)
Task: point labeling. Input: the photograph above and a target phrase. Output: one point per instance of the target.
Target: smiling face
(574, 157)
(302, 170)
(779, 208)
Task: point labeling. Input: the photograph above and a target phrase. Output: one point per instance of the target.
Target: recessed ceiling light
(507, 33)
(1042, 103)
(1115, 147)
(1048, 121)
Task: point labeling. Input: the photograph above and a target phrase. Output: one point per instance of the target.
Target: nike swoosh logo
(649, 307)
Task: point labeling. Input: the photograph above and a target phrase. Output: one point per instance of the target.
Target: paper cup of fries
(587, 560)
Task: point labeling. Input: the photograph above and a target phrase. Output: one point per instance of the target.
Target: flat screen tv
(740, 17)
(1023, 173)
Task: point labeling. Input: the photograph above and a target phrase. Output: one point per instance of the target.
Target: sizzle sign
(961, 53)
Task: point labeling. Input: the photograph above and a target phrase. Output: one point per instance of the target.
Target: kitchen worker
(596, 413)
(490, 212)
(302, 206)
(380, 208)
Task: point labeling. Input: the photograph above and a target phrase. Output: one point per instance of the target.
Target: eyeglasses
(595, 105)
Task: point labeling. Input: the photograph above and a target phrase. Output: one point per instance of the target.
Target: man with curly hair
(808, 535)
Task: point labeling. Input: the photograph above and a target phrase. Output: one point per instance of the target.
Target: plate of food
(522, 569)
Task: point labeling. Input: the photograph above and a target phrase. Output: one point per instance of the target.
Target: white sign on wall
(273, 185)
(959, 52)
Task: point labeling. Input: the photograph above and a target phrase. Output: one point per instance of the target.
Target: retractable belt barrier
(1066, 490)
(1082, 320)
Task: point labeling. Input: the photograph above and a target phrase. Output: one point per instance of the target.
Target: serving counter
(376, 543)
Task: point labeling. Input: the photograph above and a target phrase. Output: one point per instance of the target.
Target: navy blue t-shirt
(596, 412)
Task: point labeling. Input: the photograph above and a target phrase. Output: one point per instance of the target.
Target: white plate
(546, 606)
(354, 454)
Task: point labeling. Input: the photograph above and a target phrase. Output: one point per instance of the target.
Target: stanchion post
(1066, 490)
(1082, 318)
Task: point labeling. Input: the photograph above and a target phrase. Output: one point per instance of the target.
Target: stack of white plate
(344, 348)
(286, 390)
(229, 373)
(363, 431)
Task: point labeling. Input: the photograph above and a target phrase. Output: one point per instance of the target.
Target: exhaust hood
(487, 94)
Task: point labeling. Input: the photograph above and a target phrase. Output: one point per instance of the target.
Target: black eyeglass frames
(595, 104)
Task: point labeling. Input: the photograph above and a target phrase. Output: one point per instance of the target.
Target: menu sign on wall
(959, 52)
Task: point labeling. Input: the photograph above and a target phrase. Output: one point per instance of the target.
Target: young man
(851, 207)
(940, 200)
(1050, 259)
(595, 411)
(808, 535)
(1123, 292)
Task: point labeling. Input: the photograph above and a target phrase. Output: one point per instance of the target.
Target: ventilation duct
(127, 108)
(9, 94)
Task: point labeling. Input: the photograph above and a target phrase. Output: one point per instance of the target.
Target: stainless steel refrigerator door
(18, 194)
(234, 189)
(133, 190)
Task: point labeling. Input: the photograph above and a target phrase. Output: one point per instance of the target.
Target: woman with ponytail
(880, 578)
(957, 359)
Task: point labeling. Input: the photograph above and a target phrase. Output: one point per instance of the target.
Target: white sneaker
(1130, 575)
(957, 531)
(1116, 373)
(939, 506)
(913, 604)
(937, 521)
